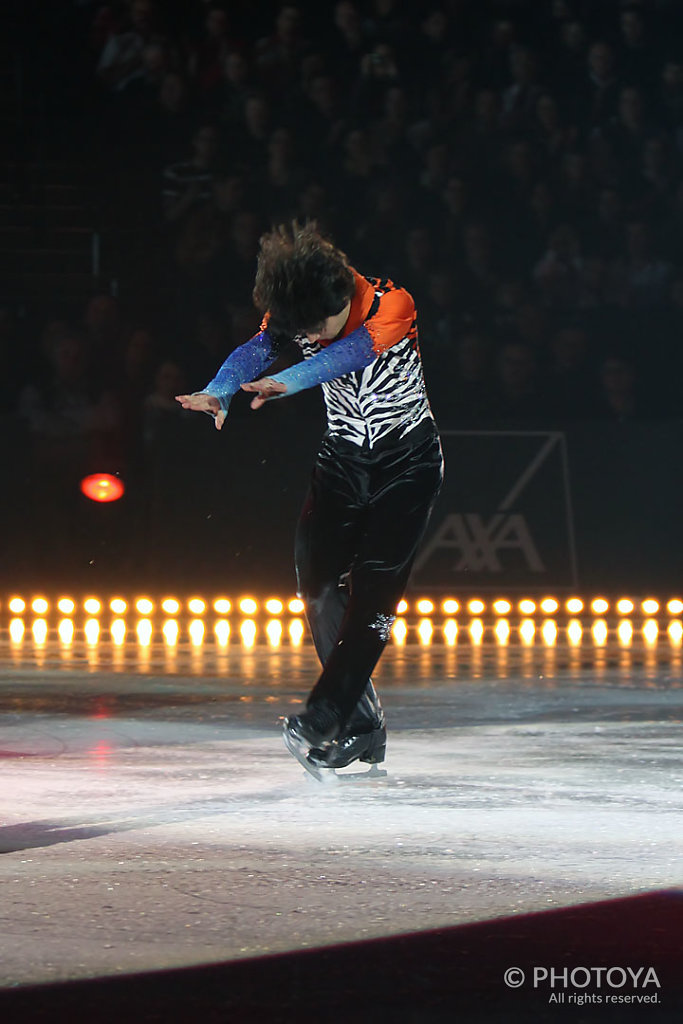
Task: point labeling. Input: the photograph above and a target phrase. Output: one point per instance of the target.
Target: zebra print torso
(387, 397)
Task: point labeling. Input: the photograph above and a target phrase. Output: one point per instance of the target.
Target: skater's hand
(199, 402)
(265, 389)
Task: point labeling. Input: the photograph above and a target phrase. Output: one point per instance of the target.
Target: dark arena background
(518, 167)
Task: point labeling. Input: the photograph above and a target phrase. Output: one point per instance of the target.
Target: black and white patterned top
(389, 396)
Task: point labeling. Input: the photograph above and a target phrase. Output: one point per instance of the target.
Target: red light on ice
(102, 487)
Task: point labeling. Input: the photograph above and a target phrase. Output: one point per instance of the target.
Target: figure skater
(375, 479)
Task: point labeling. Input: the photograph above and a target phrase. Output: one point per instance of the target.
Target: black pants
(359, 531)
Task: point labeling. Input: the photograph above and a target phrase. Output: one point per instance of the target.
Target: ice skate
(369, 747)
(364, 737)
(316, 727)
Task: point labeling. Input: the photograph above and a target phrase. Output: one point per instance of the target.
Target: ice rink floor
(159, 844)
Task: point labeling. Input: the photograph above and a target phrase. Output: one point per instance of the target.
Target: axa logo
(478, 543)
(503, 537)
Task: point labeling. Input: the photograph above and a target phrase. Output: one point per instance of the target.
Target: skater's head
(303, 282)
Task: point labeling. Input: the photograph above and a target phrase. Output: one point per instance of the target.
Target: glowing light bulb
(675, 631)
(675, 606)
(222, 631)
(248, 632)
(39, 629)
(599, 606)
(144, 606)
(170, 605)
(102, 487)
(399, 632)
(39, 605)
(527, 631)
(527, 607)
(502, 631)
(599, 631)
(296, 632)
(197, 606)
(118, 605)
(296, 606)
(450, 632)
(574, 605)
(274, 606)
(171, 631)
(274, 632)
(248, 606)
(502, 607)
(92, 606)
(625, 606)
(17, 606)
(475, 606)
(118, 632)
(402, 607)
(144, 632)
(16, 630)
(549, 632)
(425, 629)
(650, 632)
(450, 606)
(549, 605)
(650, 606)
(425, 606)
(625, 632)
(65, 629)
(574, 632)
(476, 631)
(222, 605)
(92, 631)
(196, 631)
(66, 605)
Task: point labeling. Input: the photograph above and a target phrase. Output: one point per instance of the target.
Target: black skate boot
(317, 727)
(364, 737)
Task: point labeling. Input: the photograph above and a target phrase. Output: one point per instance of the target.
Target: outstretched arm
(245, 363)
(354, 352)
(392, 320)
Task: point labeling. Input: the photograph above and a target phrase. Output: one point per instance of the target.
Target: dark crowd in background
(517, 166)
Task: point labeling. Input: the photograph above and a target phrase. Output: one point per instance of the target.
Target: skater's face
(330, 328)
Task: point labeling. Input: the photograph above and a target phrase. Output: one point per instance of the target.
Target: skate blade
(301, 754)
(373, 774)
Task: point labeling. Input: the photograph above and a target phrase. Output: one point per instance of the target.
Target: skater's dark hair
(301, 279)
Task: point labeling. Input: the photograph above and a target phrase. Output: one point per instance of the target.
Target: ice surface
(151, 816)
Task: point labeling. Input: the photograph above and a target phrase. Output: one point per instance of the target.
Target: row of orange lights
(145, 606)
(548, 633)
(276, 606)
(170, 631)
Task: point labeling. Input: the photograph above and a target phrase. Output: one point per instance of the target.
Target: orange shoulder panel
(393, 321)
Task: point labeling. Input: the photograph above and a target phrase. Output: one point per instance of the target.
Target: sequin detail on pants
(383, 624)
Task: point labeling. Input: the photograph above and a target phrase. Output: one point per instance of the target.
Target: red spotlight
(102, 487)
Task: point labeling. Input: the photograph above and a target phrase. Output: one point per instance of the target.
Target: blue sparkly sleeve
(242, 365)
(354, 352)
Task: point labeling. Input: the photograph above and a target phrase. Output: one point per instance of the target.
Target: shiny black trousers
(359, 531)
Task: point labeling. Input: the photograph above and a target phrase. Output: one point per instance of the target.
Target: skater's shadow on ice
(31, 835)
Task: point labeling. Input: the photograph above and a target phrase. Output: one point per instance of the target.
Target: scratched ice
(152, 817)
